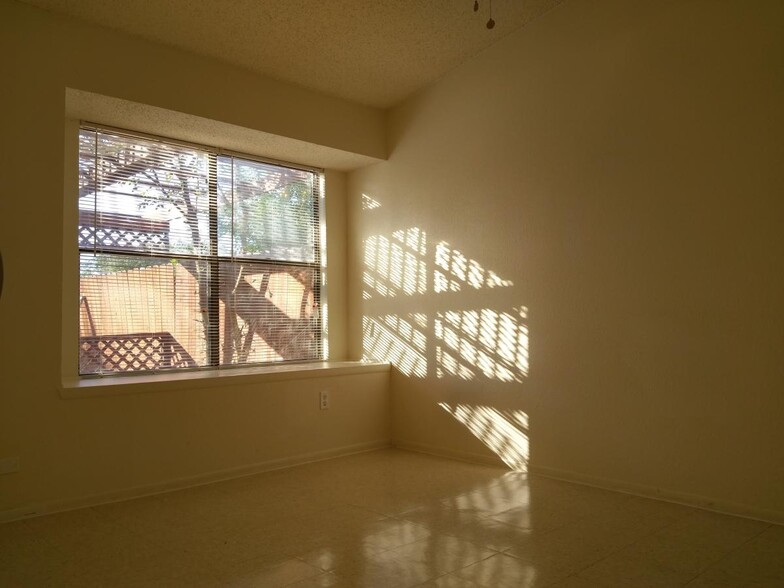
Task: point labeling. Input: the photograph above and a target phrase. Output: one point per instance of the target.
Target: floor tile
(442, 553)
(324, 580)
(450, 581)
(623, 570)
(390, 574)
(696, 542)
(345, 555)
(257, 573)
(575, 582)
(501, 571)
(758, 562)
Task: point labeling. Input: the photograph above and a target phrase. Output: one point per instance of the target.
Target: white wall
(618, 166)
(72, 449)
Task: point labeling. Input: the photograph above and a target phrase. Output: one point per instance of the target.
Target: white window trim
(81, 387)
(74, 385)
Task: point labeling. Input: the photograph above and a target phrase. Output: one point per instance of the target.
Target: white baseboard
(692, 500)
(686, 499)
(34, 510)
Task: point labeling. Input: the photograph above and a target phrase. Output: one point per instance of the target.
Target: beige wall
(70, 448)
(617, 166)
(574, 246)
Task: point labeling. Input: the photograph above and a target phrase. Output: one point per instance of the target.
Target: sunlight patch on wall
(395, 265)
(368, 203)
(456, 270)
(397, 341)
(493, 343)
(505, 432)
(447, 363)
(460, 343)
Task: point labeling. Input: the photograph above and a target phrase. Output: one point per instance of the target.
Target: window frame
(214, 258)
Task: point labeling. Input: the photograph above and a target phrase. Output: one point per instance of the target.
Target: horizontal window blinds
(192, 258)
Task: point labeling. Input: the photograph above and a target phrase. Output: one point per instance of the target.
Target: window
(190, 257)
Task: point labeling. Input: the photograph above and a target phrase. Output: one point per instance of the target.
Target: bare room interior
(513, 276)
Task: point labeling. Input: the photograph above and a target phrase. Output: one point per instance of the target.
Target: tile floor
(391, 518)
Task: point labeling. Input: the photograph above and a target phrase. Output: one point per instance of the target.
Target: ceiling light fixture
(490, 22)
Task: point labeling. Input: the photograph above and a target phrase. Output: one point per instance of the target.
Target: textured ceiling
(375, 52)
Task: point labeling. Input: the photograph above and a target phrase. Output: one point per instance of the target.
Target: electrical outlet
(9, 465)
(324, 400)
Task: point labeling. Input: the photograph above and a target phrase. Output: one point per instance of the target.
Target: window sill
(115, 385)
